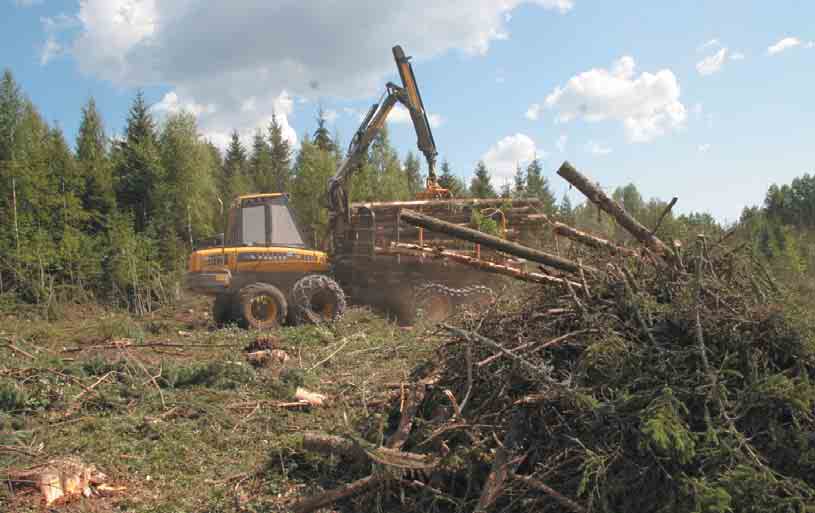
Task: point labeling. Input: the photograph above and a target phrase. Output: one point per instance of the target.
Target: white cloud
(561, 143)
(504, 156)
(400, 114)
(703, 148)
(50, 50)
(533, 112)
(712, 63)
(648, 106)
(784, 44)
(705, 46)
(330, 115)
(212, 53)
(811, 44)
(435, 120)
(53, 27)
(737, 56)
(597, 148)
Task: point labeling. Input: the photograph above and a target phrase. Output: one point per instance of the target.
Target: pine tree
(281, 154)
(537, 186)
(92, 153)
(481, 185)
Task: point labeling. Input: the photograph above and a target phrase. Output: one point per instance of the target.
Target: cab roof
(266, 195)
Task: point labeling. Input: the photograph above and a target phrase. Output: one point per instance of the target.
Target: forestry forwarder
(263, 274)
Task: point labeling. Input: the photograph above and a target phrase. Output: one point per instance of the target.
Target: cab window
(254, 225)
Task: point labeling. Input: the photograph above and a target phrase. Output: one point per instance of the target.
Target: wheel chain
(435, 288)
(301, 299)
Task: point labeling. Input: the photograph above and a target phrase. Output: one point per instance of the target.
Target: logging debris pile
(671, 382)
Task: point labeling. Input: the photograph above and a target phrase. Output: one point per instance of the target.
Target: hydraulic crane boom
(409, 96)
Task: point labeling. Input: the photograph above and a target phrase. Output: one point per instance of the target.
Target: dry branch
(551, 492)
(331, 496)
(414, 400)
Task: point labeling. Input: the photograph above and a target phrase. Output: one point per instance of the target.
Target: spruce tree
(537, 186)
(322, 138)
(92, 153)
(413, 173)
(233, 180)
(519, 189)
(260, 168)
(281, 154)
(451, 182)
(481, 185)
(12, 103)
(138, 168)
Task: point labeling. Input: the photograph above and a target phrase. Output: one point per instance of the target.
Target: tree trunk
(490, 241)
(591, 241)
(596, 195)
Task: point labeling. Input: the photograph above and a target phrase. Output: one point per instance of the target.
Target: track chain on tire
(435, 288)
(303, 291)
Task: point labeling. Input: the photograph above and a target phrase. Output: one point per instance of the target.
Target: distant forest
(114, 220)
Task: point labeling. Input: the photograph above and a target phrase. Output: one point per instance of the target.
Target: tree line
(114, 219)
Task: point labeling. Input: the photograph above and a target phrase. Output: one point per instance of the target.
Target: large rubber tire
(262, 306)
(436, 302)
(316, 298)
(223, 309)
(433, 302)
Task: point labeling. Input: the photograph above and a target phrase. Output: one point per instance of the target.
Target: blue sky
(708, 101)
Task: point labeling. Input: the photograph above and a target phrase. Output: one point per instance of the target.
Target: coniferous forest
(112, 220)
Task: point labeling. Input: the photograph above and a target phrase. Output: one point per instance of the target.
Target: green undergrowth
(175, 411)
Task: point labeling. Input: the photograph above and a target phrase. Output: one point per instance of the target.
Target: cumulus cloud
(712, 63)
(505, 155)
(784, 44)
(597, 148)
(533, 112)
(49, 50)
(561, 143)
(400, 114)
(215, 53)
(647, 105)
(330, 115)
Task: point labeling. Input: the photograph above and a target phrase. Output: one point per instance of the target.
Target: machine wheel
(263, 306)
(434, 302)
(223, 309)
(317, 298)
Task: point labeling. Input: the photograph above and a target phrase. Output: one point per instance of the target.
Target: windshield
(284, 231)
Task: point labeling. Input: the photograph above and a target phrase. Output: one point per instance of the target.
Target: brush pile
(669, 381)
